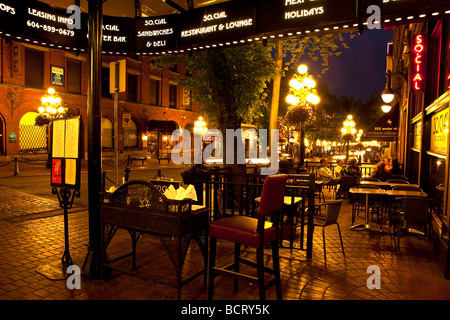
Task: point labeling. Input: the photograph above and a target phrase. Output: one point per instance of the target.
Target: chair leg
(324, 248)
(212, 262)
(340, 236)
(260, 268)
(276, 270)
(237, 253)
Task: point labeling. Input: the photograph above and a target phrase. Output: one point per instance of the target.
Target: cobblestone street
(32, 239)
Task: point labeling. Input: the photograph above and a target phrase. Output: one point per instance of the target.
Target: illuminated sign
(156, 33)
(217, 24)
(439, 132)
(419, 54)
(117, 34)
(227, 23)
(49, 24)
(399, 7)
(282, 15)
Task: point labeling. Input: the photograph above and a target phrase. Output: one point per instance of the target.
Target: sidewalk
(32, 247)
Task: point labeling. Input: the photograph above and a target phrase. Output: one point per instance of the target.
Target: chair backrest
(407, 188)
(347, 182)
(371, 179)
(333, 209)
(272, 195)
(416, 208)
(397, 181)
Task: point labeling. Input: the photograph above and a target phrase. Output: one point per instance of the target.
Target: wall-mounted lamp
(388, 94)
(386, 108)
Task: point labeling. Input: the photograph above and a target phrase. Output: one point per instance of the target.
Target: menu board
(66, 152)
(58, 138)
(279, 15)
(156, 33)
(230, 21)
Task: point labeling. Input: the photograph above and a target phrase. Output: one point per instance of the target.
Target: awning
(162, 126)
(385, 129)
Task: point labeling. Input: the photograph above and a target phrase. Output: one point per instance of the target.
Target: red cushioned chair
(253, 232)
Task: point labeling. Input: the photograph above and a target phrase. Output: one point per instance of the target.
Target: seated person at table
(338, 169)
(381, 173)
(351, 169)
(395, 170)
(324, 172)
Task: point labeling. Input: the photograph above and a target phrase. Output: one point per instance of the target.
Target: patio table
(366, 226)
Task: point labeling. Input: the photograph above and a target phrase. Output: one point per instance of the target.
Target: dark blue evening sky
(360, 69)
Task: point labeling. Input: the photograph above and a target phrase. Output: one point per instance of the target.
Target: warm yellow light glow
(386, 108)
(49, 109)
(310, 83)
(144, 138)
(41, 109)
(292, 100)
(294, 83)
(312, 98)
(60, 110)
(349, 117)
(302, 69)
(51, 91)
(387, 97)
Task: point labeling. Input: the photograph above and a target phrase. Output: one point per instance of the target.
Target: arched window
(130, 136)
(107, 134)
(33, 138)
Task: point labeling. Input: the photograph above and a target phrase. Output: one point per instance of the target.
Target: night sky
(360, 69)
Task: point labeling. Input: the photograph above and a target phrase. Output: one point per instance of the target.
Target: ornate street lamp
(301, 97)
(348, 130)
(50, 108)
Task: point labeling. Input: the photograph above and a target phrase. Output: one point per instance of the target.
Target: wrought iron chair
(416, 210)
(360, 203)
(402, 181)
(329, 218)
(254, 232)
(346, 183)
(371, 179)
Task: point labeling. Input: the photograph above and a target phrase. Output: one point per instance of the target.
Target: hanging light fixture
(386, 108)
(388, 94)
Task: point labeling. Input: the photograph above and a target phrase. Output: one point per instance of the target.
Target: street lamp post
(50, 108)
(348, 131)
(301, 97)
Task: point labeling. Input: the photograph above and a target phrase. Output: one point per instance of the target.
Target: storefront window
(130, 136)
(437, 184)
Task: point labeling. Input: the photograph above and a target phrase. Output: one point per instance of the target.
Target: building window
(154, 92)
(33, 138)
(172, 96)
(174, 68)
(73, 76)
(105, 83)
(107, 134)
(130, 136)
(132, 83)
(34, 68)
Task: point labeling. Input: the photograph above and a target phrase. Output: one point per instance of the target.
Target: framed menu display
(66, 152)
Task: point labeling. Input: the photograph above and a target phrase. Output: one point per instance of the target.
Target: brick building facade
(27, 71)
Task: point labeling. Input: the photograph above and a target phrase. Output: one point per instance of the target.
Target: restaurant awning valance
(385, 129)
(162, 126)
